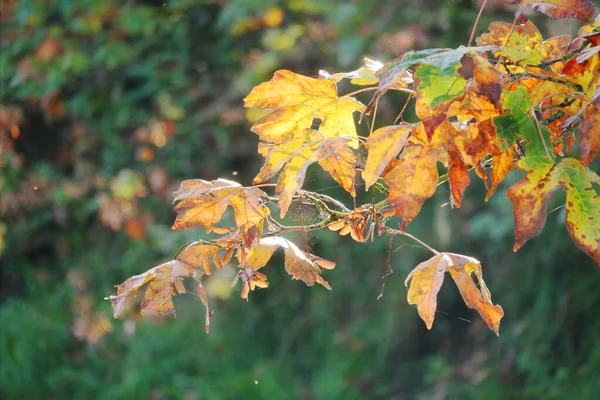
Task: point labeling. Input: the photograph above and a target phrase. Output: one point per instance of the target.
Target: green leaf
(519, 124)
(439, 86)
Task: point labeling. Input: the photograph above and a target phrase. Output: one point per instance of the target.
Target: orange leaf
(384, 145)
(202, 203)
(412, 180)
(297, 101)
(584, 10)
(589, 137)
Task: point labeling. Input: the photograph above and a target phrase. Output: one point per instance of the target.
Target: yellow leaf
(298, 100)
(412, 180)
(427, 278)
(293, 158)
(384, 145)
(297, 263)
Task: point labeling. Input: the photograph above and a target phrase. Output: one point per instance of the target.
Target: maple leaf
(531, 194)
(298, 264)
(384, 145)
(518, 123)
(394, 74)
(202, 203)
(164, 281)
(427, 279)
(519, 43)
(297, 100)
(412, 180)
(584, 10)
(295, 155)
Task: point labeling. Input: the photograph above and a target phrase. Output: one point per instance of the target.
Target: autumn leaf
(443, 61)
(425, 283)
(298, 264)
(412, 180)
(584, 10)
(202, 203)
(589, 134)
(293, 158)
(502, 164)
(200, 254)
(427, 279)
(488, 78)
(519, 43)
(164, 281)
(384, 145)
(531, 194)
(298, 100)
(354, 224)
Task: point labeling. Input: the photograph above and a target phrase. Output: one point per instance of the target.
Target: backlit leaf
(202, 203)
(297, 263)
(412, 180)
(427, 278)
(293, 158)
(297, 100)
(384, 145)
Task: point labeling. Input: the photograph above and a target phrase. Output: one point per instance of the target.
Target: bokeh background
(106, 106)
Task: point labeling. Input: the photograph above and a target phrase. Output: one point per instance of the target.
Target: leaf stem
(360, 91)
(476, 23)
(408, 235)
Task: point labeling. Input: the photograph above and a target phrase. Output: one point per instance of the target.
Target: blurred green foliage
(106, 106)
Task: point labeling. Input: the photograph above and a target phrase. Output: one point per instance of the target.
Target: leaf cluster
(514, 101)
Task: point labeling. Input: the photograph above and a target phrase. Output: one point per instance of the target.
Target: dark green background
(123, 65)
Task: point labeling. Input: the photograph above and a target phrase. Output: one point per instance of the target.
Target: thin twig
(537, 125)
(408, 235)
(388, 270)
(476, 22)
(360, 91)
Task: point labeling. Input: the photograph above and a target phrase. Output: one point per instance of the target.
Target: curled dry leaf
(163, 281)
(202, 203)
(427, 278)
(298, 264)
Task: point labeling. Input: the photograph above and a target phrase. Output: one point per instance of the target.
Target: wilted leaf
(502, 164)
(427, 278)
(160, 291)
(202, 203)
(297, 263)
(488, 78)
